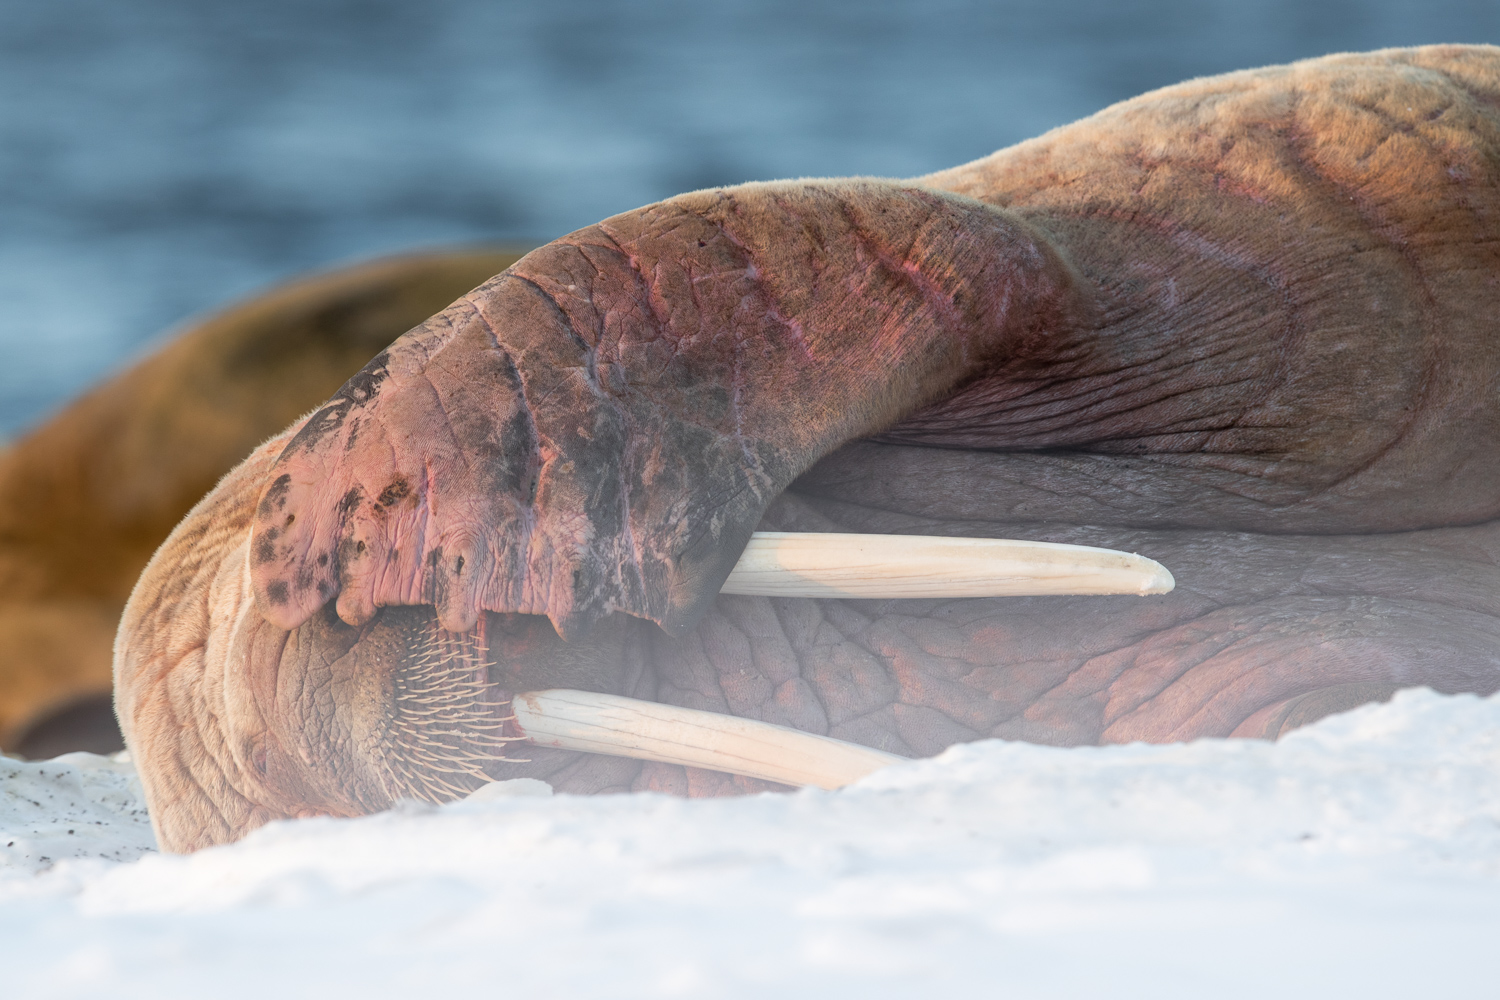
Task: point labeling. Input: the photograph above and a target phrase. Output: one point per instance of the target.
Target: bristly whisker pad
(447, 720)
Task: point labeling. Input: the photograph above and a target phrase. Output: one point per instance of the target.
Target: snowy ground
(1358, 857)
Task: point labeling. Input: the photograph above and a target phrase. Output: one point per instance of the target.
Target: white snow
(1360, 856)
(78, 805)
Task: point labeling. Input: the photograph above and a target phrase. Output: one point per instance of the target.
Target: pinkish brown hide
(1245, 325)
(600, 428)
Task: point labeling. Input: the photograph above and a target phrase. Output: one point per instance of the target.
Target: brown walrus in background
(1245, 325)
(88, 496)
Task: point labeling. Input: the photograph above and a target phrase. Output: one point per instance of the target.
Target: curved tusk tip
(1161, 580)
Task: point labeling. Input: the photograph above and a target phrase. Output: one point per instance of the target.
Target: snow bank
(1359, 856)
(78, 805)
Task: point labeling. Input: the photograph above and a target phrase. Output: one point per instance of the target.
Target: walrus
(90, 494)
(1245, 325)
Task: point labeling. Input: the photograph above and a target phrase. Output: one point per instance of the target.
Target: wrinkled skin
(1245, 326)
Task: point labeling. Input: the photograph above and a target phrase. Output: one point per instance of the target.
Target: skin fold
(89, 495)
(1243, 326)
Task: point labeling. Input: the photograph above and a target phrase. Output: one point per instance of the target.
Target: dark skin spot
(277, 592)
(365, 384)
(435, 586)
(393, 493)
(275, 497)
(326, 421)
(350, 501)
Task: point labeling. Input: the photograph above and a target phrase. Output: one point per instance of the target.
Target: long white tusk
(825, 564)
(646, 730)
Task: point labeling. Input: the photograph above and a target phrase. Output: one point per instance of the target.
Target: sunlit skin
(1244, 326)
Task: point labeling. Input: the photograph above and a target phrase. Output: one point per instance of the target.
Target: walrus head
(457, 573)
(1214, 322)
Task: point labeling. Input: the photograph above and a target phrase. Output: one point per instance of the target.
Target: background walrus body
(88, 496)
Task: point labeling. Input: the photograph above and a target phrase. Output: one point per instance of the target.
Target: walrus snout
(244, 722)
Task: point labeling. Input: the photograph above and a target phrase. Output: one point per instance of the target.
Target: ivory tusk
(826, 564)
(646, 730)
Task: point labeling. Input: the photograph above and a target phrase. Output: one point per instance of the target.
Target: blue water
(158, 157)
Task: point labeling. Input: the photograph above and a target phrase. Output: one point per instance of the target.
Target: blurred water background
(159, 157)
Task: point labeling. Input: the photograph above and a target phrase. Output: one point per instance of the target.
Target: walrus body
(1245, 325)
(87, 497)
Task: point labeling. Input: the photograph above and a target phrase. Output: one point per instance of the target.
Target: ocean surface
(161, 157)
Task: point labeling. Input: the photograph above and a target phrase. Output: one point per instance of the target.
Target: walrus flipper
(600, 428)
